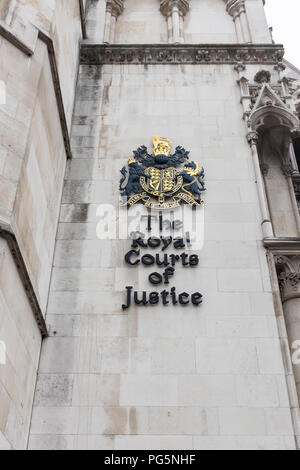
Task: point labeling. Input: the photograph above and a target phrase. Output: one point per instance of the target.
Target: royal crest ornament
(161, 180)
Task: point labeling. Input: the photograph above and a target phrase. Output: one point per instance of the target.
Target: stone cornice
(98, 54)
(7, 233)
(285, 245)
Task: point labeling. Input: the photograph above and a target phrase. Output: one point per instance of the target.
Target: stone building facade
(83, 83)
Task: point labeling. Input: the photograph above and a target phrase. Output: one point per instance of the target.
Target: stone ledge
(98, 54)
(57, 88)
(282, 243)
(13, 39)
(23, 46)
(7, 233)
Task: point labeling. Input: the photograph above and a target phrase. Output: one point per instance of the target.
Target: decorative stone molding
(7, 233)
(287, 169)
(296, 183)
(252, 138)
(58, 93)
(20, 43)
(266, 223)
(95, 54)
(175, 11)
(270, 104)
(166, 6)
(240, 67)
(288, 268)
(237, 9)
(114, 8)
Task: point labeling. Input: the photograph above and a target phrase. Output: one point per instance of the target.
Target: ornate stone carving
(166, 6)
(287, 169)
(93, 54)
(252, 138)
(280, 67)
(288, 269)
(263, 76)
(116, 7)
(235, 7)
(175, 11)
(240, 67)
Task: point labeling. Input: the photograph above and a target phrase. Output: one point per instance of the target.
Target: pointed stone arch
(270, 109)
(273, 122)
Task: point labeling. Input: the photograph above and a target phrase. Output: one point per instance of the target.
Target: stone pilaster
(175, 11)
(114, 8)
(288, 269)
(237, 9)
(95, 19)
(243, 82)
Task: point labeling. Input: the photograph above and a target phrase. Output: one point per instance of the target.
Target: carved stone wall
(289, 276)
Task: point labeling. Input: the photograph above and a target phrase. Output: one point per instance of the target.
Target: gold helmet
(161, 146)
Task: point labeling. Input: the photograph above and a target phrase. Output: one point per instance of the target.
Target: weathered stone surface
(170, 377)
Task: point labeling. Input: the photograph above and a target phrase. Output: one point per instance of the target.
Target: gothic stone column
(237, 9)
(288, 268)
(266, 222)
(175, 11)
(114, 8)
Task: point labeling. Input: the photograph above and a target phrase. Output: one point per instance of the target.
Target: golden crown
(161, 146)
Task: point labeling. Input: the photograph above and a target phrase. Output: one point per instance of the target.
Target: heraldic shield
(161, 180)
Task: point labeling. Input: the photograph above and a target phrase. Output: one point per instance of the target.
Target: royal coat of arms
(162, 180)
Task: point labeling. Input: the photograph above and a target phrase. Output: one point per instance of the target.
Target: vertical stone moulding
(175, 12)
(114, 8)
(237, 9)
(266, 222)
(288, 270)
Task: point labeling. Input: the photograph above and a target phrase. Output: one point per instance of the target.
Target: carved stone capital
(235, 7)
(252, 138)
(115, 7)
(166, 7)
(287, 169)
(288, 269)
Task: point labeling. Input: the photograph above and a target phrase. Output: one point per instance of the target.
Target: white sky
(284, 17)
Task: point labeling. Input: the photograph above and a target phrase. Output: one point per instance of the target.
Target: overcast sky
(284, 16)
